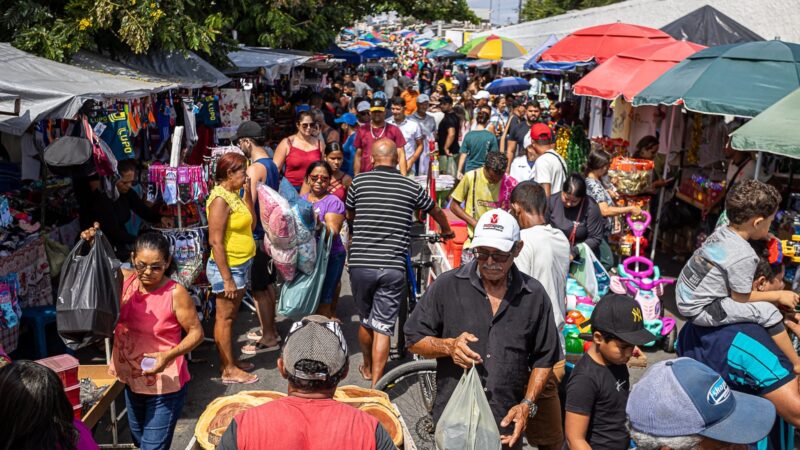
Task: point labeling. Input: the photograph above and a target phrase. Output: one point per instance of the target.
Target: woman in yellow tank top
(231, 221)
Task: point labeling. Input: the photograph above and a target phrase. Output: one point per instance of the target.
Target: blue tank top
(273, 181)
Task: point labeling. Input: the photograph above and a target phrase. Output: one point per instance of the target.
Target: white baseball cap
(363, 106)
(496, 229)
(481, 95)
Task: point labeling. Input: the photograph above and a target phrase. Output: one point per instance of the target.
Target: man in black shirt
(490, 314)
(447, 136)
(516, 141)
(112, 215)
(598, 387)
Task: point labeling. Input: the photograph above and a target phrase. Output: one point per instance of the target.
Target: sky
(504, 11)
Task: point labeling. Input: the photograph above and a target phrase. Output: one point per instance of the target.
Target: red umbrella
(629, 72)
(602, 42)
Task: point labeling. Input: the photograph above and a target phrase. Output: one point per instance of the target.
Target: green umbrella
(773, 131)
(737, 79)
(471, 44)
(436, 44)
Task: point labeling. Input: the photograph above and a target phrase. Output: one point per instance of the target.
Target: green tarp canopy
(776, 130)
(737, 79)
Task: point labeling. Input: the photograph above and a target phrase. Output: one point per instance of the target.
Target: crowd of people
(355, 153)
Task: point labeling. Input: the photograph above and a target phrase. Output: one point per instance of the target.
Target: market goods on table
(631, 176)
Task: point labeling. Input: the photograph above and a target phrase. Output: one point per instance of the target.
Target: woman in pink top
(148, 348)
(36, 412)
(298, 151)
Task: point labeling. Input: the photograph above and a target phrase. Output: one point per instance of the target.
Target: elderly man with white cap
(682, 404)
(490, 314)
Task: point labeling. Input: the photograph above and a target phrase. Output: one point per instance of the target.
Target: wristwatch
(532, 407)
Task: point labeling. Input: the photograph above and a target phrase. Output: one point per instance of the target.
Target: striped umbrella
(496, 47)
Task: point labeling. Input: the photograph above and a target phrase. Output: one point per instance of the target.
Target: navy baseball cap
(348, 118)
(682, 397)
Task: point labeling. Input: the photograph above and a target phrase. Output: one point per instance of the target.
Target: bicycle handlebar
(430, 237)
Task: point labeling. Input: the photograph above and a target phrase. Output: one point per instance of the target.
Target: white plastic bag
(590, 274)
(467, 422)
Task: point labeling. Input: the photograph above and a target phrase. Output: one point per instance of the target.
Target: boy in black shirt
(598, 388)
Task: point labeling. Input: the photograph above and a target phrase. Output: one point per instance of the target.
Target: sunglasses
(316, 178)
(306, 126)
(497, 257)
(142, 268)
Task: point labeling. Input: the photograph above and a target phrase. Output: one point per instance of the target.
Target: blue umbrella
(373, 52)
(508, 85)
(549, 66)
(444, 53)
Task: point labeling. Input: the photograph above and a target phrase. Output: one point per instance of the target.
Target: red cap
(541, 132)
(447, 73)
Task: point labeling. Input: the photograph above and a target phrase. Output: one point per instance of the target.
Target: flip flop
(361, 372)
(256, 335)
(247, 366)
(250, 381)
(259, 348)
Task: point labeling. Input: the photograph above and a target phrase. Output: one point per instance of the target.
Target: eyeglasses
(316, 178)
(142, 268)
(306, 126)
(497, 256)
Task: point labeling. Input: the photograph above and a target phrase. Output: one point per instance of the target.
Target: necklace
(383, 130)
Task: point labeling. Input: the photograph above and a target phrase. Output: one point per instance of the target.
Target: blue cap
(348, 118)
(683, 397)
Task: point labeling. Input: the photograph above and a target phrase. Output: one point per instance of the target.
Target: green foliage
(540, 9)
(56, 29)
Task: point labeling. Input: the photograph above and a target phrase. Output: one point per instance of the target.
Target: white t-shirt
(545, 257)
(550, 168)
(411, 131)
(521, 170)
(390, 87)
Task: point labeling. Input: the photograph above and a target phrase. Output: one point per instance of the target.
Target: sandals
(255, 335)
(257, 347)
(253, 379)
(361, 372)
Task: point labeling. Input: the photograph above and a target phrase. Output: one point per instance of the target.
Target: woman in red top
(298, 151)
(340, 181)
(149, 342)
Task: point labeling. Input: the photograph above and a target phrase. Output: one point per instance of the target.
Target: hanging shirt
(209, 111)
(115, 133)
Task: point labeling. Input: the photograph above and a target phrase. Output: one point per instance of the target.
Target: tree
(56, 29)
(540, 9)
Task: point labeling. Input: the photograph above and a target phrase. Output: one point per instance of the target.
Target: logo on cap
(718, 393)
(637, 314)
(494, 218)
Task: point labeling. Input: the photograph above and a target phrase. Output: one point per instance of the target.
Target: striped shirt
(384, 202)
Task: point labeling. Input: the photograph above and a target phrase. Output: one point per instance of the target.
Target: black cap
(378, 104)
(621, 316)
(249, 129)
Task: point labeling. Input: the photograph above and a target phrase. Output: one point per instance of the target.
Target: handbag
(104, 160)
(68, 151)
(87, 308)
(300, 297)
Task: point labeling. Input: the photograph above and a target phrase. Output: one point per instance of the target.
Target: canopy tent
(773, 131)
(765, 17)
(251, 59)
(737, 79)
(628, 72)
(707, 26)
(337, 52)
(49, 89)
(601, 42)
(437, 44)
(99, 63)
(373, 52)
(444, 53)
(186, 69)
(534, 62)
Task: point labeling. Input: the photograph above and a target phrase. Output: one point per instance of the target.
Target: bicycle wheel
(412, 387)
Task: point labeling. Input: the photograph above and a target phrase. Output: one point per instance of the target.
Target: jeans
(152, 418)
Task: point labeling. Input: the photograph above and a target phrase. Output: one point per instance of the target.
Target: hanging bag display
(301, 296)
(104, 160)
(69, 152)
(467, 422)
(88, 301)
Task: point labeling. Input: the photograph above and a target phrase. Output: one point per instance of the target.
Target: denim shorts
(332, 276)
(240, 274)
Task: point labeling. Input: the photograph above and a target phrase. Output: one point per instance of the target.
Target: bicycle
(411, 386)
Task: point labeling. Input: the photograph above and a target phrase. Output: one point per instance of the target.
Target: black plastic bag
(89, 293)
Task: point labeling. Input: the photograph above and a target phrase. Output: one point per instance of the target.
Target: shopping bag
(301, 296)
(589, 273)
(89, 293)
(467, 422)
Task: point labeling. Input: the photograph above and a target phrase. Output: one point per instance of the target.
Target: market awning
(251, 59)
(373, 52)
(535, 63)
(708, 26)
(49, 89)
(628, 72)
(98, 63)
(474, 62)
(773, 131)
(738, 79)
(337, 52)
(186, 69)
(601, 42)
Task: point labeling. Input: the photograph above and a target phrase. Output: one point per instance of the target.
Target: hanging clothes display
(621, 123)
(234, 107)
(113, 129)
(189, 122)
(209, 111)
(644, 122)
(188, 247)
(596, 118)
(182, 184)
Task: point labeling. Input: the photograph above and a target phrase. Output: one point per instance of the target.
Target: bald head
(384, 152)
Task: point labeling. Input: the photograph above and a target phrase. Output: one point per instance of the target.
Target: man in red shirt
(314, 360)
(376, 130)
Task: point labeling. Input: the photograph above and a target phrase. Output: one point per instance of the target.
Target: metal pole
(663, 188)
(561, 89)
(759, 162)
(113, 406)
(175, 161)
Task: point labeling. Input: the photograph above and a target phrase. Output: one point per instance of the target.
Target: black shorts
(262, 274)
(378, 293)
